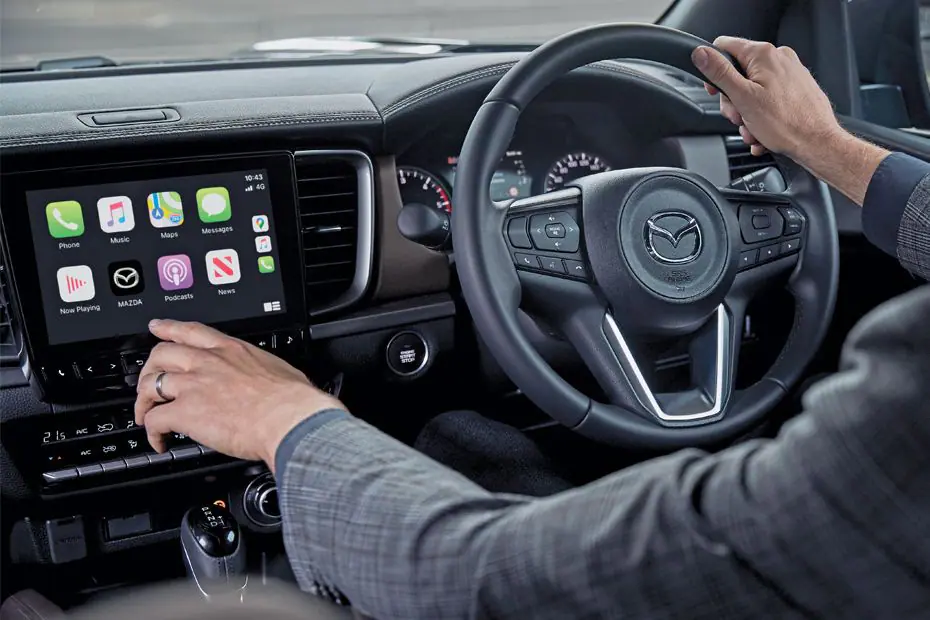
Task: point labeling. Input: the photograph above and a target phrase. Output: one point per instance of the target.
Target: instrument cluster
(547, 153)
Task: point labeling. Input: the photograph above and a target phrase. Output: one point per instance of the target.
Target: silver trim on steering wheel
(644, 393)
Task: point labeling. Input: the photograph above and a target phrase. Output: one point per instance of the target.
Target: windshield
(162, 30)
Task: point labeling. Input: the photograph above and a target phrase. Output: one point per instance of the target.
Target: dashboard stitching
(187, 128)
(435, 89)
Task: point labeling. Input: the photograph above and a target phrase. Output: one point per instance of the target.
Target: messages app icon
(64, 219)
(213, 204)
(165, 209)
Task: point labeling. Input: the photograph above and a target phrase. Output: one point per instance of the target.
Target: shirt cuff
(296, 435)
(889, 190)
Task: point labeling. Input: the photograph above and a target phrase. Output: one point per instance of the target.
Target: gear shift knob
(213, 549)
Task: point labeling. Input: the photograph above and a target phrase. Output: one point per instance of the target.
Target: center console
(96, 253)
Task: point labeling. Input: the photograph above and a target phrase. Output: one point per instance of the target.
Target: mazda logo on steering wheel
(673, 237)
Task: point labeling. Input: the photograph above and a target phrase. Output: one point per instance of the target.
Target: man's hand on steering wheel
(778, 106)
(222, 392)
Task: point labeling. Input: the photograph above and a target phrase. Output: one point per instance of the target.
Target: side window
(892, 44)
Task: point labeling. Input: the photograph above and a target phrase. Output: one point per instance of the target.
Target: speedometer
(573, 166)
(419, 186)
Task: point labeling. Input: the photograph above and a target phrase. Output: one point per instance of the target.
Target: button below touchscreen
(111, 257)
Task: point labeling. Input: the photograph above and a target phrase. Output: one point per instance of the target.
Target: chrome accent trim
(654, 229)
(365, 247)
(426, 355)
(642, 390)
(568, 197)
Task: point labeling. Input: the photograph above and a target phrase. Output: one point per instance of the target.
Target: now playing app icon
(223, 267)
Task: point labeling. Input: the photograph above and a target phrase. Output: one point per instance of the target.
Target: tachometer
(419, 186)
(573, 166)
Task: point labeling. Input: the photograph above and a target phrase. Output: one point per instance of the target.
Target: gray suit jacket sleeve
(828, 520)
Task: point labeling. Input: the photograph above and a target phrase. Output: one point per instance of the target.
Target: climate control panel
(97, 447)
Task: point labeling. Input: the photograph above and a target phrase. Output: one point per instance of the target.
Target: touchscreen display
(111, 257)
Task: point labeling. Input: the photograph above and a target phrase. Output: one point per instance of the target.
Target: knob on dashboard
(260, 501)
(425, 225)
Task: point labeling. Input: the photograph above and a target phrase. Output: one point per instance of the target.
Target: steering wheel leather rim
(493, 291)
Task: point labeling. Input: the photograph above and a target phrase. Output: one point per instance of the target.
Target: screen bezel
(23, 271)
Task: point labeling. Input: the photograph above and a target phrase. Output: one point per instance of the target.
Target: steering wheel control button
(554, 265)
(516, 232)
(748, 259)
(794, 221)
(543, 229)
(789, 246)
(767, 253)
(760, 223)
(407, 354)
(576, 268)
(526, 260)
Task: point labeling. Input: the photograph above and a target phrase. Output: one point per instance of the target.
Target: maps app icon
(260, 223)
(165, 209)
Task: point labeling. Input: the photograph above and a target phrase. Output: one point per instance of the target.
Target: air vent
(335, 195)
(9, 337)
(742, 161)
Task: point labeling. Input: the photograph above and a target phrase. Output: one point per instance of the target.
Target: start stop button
(407, 354)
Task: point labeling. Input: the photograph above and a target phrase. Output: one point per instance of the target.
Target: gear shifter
(214, 552)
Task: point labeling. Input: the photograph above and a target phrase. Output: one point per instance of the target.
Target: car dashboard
(291, 175)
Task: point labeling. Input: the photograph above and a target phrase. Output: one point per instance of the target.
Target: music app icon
(115, 214)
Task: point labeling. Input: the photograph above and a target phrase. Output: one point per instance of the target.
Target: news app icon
(115, 214)
(223, 267)
(76, 283)
(175, 273)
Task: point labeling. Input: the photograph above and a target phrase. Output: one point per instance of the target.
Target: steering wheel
(621, 259)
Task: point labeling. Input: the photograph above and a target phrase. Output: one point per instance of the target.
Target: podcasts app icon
(175, 273)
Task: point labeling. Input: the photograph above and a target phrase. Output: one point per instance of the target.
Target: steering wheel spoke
(711, 357)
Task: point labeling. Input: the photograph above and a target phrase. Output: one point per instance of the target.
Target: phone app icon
(223, 267)
(175, 273)
(263, 244)
(213, 204)
(165, 209)
(126, 277)
(266, 264)
(260, 223)
(76, 284)
(115, 214)
(64, 219)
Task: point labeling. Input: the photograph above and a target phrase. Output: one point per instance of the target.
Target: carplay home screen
(112, 257)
